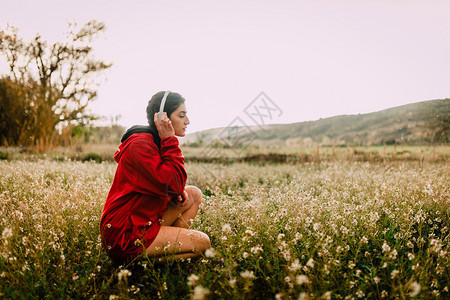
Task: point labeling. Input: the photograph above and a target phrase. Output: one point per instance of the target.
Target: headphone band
(161, 108)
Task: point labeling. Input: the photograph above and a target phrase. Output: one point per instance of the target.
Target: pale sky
(314, 59)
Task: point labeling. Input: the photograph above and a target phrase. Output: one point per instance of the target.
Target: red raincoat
(146, 179)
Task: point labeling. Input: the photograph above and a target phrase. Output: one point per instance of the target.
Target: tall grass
(253, 154)
(330, 230)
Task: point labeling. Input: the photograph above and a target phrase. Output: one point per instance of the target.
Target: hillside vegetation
(418, 123)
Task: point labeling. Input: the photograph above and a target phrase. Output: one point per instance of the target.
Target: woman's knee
(195, 194)
(202, 241)
(206, 240)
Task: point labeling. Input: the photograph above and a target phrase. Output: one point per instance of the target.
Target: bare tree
(58, 80)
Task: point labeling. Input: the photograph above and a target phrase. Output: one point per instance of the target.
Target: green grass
(337, 230)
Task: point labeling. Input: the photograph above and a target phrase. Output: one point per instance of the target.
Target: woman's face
(180, 120)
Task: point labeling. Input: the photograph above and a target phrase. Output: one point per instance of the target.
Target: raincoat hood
(141, 129)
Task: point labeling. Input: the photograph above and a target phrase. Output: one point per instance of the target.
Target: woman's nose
(187, 121)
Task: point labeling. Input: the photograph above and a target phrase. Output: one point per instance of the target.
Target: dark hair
(173, 101)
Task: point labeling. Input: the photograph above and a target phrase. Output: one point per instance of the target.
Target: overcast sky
(313, 59)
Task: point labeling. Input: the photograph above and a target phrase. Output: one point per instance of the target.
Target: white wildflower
(326, 296)
(295, 266)
(386, 247)
(7, 233)
(393, 254)
(232, 282)
(200, 293)
(123, 274)
(256, 249)
(436, 245)
(414, 289)
(301, 279)
(344, 230)
(247, 274)
(303, 296)
(192, 279)
(210, 252)
(360, 294)
(310, 263)
(351, 265)
(249, 232)
(226, 228)
(316, 226)
(134, 289)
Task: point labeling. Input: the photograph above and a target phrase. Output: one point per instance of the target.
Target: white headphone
(161, 108)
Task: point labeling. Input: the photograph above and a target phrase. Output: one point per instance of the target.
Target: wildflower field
(326, 230)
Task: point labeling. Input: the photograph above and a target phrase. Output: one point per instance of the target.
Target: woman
(149, 208)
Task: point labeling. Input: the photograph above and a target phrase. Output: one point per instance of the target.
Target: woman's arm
(157, 171)
(153, 170)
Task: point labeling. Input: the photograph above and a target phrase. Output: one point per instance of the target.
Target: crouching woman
(148, 207)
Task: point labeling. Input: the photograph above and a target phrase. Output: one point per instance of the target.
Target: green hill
(415, 123)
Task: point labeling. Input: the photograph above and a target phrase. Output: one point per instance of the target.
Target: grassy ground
(105, 152)
(325, 230)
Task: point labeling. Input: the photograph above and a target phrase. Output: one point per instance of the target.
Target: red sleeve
(158, 172)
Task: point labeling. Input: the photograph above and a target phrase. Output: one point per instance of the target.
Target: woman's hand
(165, 129)
(182, 199)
